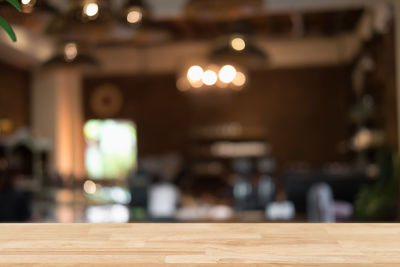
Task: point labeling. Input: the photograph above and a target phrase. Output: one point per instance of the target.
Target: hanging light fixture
(27, 5)
(240, 49)
(227, 74)
(39, 6)
(90, 9)
(212, 77)
(135, 11)
(70, 52)
(136, 16)
(238, 43)
(233, 55)
(209, 77)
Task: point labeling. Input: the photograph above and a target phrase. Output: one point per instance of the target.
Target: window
(111, 148)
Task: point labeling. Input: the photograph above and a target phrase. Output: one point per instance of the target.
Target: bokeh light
(209, 77)
(134, 15)
(70, 51)
(195, 73)
(227, 74)
(238, 44)
(240, 79)
(91, 9)
(214, 76)
(89, 187)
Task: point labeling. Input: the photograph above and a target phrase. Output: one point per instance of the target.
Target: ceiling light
(195, 73)
(238, 44)
(240, 79)
(91, 9)
(227, 74)
(135, 15)
(209, 77)
(70, 51)
(89, 187)
(27, 5)
(225, 77)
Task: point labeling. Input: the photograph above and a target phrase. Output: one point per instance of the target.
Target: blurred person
(244, 192)
(265, 191)
(139, 184)
(163, 200)
(320, 204)
(266, 183)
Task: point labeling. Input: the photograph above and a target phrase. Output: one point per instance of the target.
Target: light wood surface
(200, 244)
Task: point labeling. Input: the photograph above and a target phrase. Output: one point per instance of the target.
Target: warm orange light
(134, 15)
(209, 77)
(238, 44)
(91, 9)
(227, 74)
(240, 79)
(195, 73)
(89, 187)
(70, 51)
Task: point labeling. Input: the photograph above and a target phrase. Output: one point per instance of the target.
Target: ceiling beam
(283, 53)
(30, 48)
(162, 9)
(284, 6)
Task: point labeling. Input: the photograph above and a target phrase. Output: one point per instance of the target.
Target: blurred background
(200, 111)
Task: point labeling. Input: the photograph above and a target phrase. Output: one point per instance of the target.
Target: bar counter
(200, 244)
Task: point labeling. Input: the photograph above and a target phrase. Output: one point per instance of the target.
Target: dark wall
(14, 95)
(383, 84)
(304, 111)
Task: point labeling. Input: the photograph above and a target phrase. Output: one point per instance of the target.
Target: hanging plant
(4, 24)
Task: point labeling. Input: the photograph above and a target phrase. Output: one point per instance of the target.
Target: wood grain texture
(200, 244)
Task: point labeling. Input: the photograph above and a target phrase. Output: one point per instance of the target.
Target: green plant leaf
(4, 24)
(15, 3)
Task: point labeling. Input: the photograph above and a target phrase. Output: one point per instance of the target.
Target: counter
(191, 244)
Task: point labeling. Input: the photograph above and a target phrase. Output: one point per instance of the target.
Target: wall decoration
(106, 101)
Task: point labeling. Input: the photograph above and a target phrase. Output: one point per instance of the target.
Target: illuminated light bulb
(70, 51)
(89, 187)
(91, 9)
(227, 74)
(209, 77)
(134, 15)
(195, 73)
(240, 79)
(27, 5)
(238, 44)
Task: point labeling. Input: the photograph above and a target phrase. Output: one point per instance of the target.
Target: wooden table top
(198, 244)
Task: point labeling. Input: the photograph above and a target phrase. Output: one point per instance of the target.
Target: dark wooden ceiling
(107, 29)
(314, 24)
